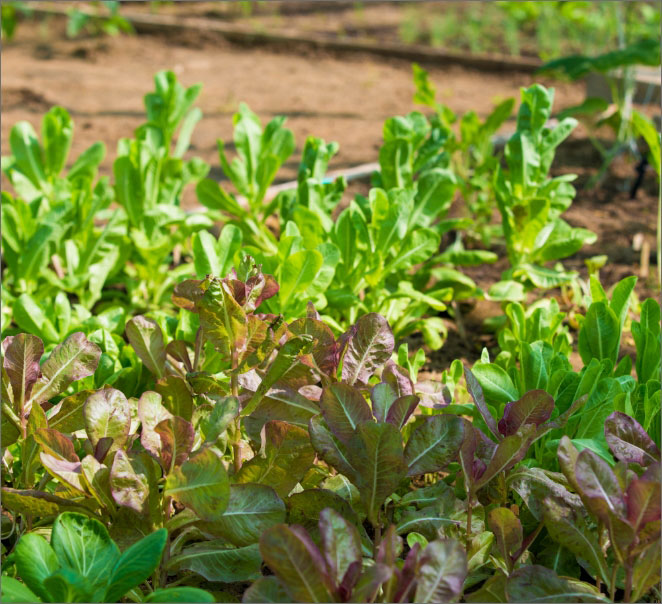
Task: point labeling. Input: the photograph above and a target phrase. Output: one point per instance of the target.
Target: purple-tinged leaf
(330, 449)
(349, 581)
(67, 472)
(434, 444)
(643, 502)
(222, 319)
(646, 571)
(36, 503)
(177, 437)
(535, 407)
(467, 455)
(305, 507)
(344, 408)
(509, 451)
(476, 393)
(628, 441)
(493, 590)
(598, 486)
(102, 448)
(188, 293)
(288, 456)
(96, 477)
(151, 412)
(442, 572)
(283, 404)
(73, 360)
(22, 354)
(507, 531)
(176, 396)
(146, 338)
(534, 484)
(67, 416)
(281, 368)
(390, 547)
(202, 484)
(370, 346)
(178, 350)
(371, 579)
(266, 589)
(376, 452)
(397, 378)
(536, 583)
(325, 349)
(382, 397)
(433, 394)
(251, 509)
(297, 562)
(129, 488)
(55, 444)
(568, 454)
(107, 414)
(401, 410)
(568, 527)
(341, 545)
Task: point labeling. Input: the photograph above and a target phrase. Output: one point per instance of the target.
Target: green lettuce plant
(83, 564)
(531, 203)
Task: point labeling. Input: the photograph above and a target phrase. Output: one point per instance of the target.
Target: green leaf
(146, 338)
(74, 359)
(507, 531)
(599, 335)
(201, 484)
(136, 565)
(442, 572)
(288, 456)
(56, 134)
(536, 583)
(82, 545)
(266, 589)
(569, 528)
(251, 509)
(495, 382)
(185, 595)
(15, 591)
(215, 562)
(35, 560)
(434, 444)
(297, 272)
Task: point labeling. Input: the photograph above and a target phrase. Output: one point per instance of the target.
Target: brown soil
(101, 81)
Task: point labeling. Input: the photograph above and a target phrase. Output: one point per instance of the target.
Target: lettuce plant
(83, 564)
(531, 203)
(471, 155)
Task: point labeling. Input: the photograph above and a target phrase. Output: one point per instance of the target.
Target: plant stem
(378, 539)
(612, 587)
(236, 445)
(469, 510)
(12, 417)
(628, 583)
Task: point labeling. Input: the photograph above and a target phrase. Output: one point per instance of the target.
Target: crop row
(190, 417)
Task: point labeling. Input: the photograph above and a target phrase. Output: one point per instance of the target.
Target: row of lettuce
(260, 444)
(189, 416)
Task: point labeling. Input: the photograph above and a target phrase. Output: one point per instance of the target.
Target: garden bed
(419, 369)
(338, 97)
